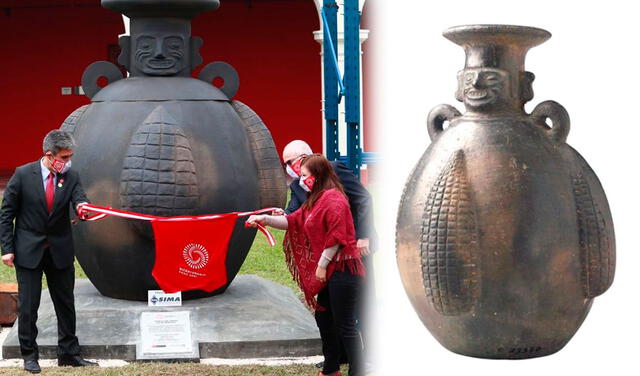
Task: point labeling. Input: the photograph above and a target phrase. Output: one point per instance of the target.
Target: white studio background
(589, 66)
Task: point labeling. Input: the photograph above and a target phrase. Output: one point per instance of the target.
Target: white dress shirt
(45, 176)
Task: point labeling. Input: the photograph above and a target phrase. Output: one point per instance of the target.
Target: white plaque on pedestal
(166, 335)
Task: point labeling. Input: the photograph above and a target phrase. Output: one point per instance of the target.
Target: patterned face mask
(291, 173)
(307, 183)
(293, 168)
(59, 166)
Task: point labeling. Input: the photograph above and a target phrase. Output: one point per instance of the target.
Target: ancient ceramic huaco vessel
(504, 234)
(163, 143)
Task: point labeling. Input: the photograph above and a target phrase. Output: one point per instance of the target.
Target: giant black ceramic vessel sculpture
(161, 142)
(504, 234)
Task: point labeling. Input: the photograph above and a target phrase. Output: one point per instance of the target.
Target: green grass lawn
(267, 261)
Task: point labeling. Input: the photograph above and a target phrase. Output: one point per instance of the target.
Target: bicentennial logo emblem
(195, 255)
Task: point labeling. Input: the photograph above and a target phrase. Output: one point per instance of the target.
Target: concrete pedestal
(254, 318)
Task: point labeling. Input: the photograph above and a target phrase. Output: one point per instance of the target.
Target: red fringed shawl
(310, 231)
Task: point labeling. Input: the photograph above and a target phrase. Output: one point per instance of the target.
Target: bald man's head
(294, 149)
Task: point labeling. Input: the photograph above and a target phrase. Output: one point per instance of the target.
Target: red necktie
(49, 192)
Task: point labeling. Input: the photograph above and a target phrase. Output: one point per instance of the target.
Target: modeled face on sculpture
(480, 88)
(160, 55)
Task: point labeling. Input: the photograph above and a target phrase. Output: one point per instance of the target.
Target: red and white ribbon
(84, 209)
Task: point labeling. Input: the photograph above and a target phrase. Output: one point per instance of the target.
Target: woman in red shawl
(322, 256)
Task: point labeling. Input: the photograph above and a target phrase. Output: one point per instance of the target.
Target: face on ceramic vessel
(483, 86)
(160, 55)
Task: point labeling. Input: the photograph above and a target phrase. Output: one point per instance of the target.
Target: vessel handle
(559, 117)
(220, 69)
(96, 70)
(438, 116)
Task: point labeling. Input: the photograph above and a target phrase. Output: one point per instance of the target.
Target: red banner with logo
(191, 255)
(191, 251)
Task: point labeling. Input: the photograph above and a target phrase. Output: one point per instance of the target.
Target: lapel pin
(60, 183)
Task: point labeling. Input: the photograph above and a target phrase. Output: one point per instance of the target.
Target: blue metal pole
(352, 83)
(331, 77)
(333, 53)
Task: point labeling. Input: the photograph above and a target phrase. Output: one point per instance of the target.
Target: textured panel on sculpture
(273, 189)
(158, 175)
(596, 251)
(69, 124)
(449, 242)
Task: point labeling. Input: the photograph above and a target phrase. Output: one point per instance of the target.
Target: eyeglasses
(290, 161)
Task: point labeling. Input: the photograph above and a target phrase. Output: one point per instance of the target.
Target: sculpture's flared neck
(494, 79)
(161, 8)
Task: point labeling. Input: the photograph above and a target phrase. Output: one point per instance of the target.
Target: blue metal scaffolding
(336, 86)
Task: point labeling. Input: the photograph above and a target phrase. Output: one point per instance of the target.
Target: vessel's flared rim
(161, 8)
(524, 36)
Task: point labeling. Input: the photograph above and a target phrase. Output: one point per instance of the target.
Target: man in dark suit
(37, 197)
(361, 210)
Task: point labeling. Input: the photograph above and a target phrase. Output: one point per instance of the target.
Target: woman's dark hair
(324, 174)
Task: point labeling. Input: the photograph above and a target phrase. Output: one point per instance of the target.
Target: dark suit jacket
(359, 202)
(24, 200)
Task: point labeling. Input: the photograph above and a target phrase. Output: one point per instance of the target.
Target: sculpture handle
(438, 116)
(219, 69)
(559, 117)
(96, 70)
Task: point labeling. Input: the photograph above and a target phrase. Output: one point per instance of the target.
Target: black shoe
(32, 366)
(320, 365)
(74, 361)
